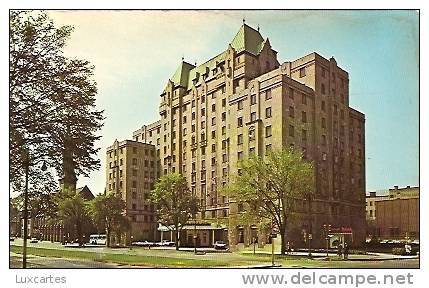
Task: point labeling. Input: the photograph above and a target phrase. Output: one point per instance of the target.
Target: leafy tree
(174, 201)
(108, 214)
(270, 186)
(52, 100)
(74, 213)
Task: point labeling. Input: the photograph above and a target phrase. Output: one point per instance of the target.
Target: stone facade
(393, 215)
(131, 171)
(244, 101)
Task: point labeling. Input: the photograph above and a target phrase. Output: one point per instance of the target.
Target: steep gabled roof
(248, 39)
(180, 77)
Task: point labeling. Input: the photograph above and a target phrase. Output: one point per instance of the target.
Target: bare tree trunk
(283, 239)
(177, 238)
(107, 237)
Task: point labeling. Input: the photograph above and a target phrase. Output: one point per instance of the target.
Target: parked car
(144, 243)
(34, 240)
(220, 245)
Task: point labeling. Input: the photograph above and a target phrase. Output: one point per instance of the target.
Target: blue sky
(135, 52)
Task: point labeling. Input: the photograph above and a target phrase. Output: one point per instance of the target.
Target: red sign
(341, 230)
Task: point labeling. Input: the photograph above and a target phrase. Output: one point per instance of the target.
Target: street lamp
(327, 228)
(253, 227)
(25, 216)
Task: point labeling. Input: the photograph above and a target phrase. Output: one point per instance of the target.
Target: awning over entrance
(192, 227)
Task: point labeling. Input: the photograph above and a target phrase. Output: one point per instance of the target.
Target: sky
(136, 52)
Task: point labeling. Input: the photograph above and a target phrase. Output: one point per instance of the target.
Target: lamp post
(253, 227)
(327, 228)
(25, 214)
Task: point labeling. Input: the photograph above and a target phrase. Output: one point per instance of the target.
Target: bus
(97, 239)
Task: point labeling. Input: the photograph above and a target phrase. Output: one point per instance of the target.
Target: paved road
(50, 262)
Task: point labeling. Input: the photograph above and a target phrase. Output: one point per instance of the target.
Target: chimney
(396, 187)
(408, 187)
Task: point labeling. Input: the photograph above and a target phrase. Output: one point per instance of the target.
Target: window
(213, 134)
(342, 114)
(304, 99)
(213, 107)
(224, 158)
(240, 122)
(193, 103)
(223, 130)
(224, 116)
(135, 150)
(146, 163)
(304, 135)
(268, 148)
(302, 72)
(134, 206)
(253, 116)
(252, 99)
(203, 112)
(304, 117)
(223, 102)
(291, 131)
(203, 99)
(323, 106)
(203, 125)
(251, 150)
(323, 122)
(240, 139)
(323, 72)
(324, 140)
(134, 195)
(134, 161)
(268, 132)
(290, 93)
(134, 184)
(240, 155)
(121, 161)
(213, 121)
(291, 112)
(134, 172)
(322, 88)
(193, 127)
(268, 94)
(213, 147)
(268, 112)
(193, 115)
(240, 105)
(335, 109)
(184, 131)
(165, 126)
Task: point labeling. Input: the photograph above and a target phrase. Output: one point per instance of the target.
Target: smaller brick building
(394, 215)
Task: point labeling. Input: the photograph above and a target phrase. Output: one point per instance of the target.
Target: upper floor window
(302, 72)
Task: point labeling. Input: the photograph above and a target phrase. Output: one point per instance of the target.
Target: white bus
(97, 239)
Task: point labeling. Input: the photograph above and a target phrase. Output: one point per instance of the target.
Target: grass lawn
(137, 260)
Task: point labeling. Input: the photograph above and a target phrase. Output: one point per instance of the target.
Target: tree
(108, 214)
(271, 186)
(52, 100)
(74, 213)
(174, 202)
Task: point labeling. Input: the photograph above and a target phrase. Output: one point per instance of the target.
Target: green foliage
(74, 213)
(271, 186)
(174, 202)
(52, 100)
(173, 199)
(108, 214)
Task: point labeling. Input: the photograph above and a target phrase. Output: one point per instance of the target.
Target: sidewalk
(370, 256)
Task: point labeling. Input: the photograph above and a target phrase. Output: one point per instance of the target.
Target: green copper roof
(248, 39)
(181, 75)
